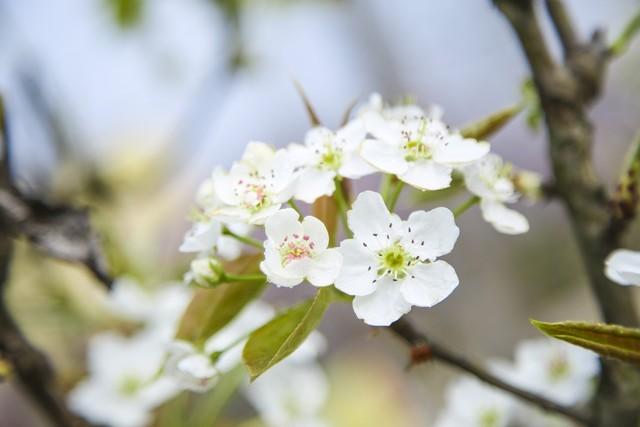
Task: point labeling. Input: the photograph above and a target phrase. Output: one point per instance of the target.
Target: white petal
(371, 222)
(228, 248)
(196, 373)
(261, 216)
(382, 129)
(352, 134)
(325, 268)
(503, 219)
(382, 307)
(427, 175)
(385, 156)
(281, 224)
(224, 186)
(317, 232)
(318, 136)
(314, 183)
(457, 150)
(354, 166)
(430, 234)
(276, 273)
(359, 269)
(201, 237)
(623, 267)
(257, 154)
(429, 284)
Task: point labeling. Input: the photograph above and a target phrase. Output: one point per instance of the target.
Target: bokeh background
(126, 105)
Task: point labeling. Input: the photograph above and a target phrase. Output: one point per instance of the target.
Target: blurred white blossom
(123, 385)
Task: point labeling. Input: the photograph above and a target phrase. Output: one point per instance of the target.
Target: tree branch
(562, 24)
(565, 92)
(405, 330)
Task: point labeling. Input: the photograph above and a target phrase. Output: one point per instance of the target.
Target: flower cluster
(386, 264)
(130, 376)
(549, 368)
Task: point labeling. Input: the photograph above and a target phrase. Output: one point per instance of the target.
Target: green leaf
(486, 127)
(613, 341)
(280, 337)
(212, 309)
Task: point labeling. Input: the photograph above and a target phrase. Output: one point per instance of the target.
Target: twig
(405, 330)
(562, 24)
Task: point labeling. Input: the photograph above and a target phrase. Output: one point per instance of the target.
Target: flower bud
(529, 184)
(205, 272)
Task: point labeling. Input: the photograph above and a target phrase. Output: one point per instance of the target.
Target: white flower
(256, 186)
(207, 236)
(470, 403)
(198, 369)
(292, 393)
(623, 267)
(296, 251)
(391, 264)
(554, 369)
(326, 155)
(419, 149)
(122, 388)
(158, 308)
(490, 179)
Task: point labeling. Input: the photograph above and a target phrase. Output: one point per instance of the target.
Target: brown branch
(562, 24)
(565, 91)
(405, 330)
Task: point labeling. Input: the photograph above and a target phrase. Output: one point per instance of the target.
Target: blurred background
(126, 105)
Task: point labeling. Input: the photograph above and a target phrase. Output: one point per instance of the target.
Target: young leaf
(280, 337)
(211, 309)
(613, 341)
(486, 127)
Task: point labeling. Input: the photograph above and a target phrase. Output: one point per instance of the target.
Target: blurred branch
(562, 24)
(424, 349)
(565, 91)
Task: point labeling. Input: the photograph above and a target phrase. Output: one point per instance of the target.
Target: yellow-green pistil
(489, 418)
(414, 147)
(395, 261)
(130, 385)
(559, 368)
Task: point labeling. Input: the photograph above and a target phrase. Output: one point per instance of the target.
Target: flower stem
(385, 185)
(244, 239)
(343, 206)
(393, 197)
(466, 205)
(230, 277)
(294, 206)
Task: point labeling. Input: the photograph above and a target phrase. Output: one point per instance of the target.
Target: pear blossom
(623, 267)
(327, 155)
(158, 308)
(123, 386)
(293, 393)
(390, 264)
(470, 403)
(490, 179)
(554, 369)
(295, 251)
(419, 149)
(206, 233)
(255, 187)
(198, 368)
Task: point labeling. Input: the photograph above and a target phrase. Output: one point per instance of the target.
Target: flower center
(395, 261)
(254, 194)
(489, 418)
(330, 157)
(558, 368)
(414, 147)
(295, 247)
(130, 385)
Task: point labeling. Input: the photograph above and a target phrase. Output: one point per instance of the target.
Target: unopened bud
(205, 272)
(529, 184)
